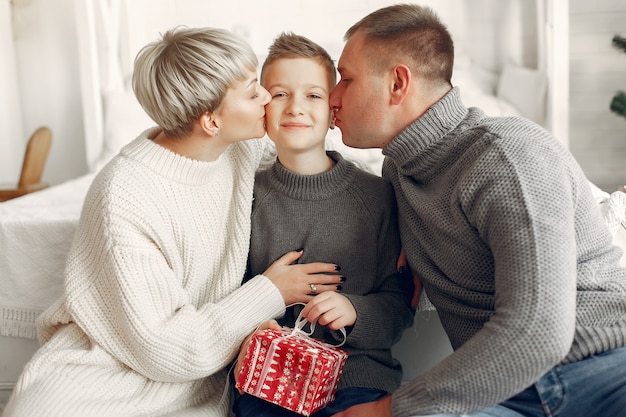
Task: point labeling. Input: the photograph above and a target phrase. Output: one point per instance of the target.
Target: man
(499, 222)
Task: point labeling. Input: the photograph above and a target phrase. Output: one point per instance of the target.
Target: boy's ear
(209, 124)
(401, 83)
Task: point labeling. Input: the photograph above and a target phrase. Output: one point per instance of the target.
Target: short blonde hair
(188, 72)
(290, 45)
(408, 31)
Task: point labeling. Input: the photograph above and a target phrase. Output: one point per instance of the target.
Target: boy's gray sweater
(348, 217)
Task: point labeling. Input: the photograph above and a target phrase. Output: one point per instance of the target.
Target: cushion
(478, 87)
(525, 89)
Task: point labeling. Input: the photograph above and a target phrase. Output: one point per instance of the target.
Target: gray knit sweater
(348, 217)
(498, 220)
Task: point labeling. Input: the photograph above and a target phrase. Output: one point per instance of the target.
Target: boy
(318, 201)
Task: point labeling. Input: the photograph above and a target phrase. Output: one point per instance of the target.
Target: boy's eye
(278, 95)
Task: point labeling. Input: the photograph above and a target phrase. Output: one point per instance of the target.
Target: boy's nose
(295, 107)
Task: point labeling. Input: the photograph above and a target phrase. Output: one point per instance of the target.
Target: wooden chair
(35, 158)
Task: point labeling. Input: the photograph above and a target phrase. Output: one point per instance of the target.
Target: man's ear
(401, 83)
(209, 124)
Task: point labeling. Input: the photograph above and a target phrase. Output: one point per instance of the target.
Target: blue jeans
(593, 387)
(251, 406)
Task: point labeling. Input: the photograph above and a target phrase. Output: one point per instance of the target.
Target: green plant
(618, 103)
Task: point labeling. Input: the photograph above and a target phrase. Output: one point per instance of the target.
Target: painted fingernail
(337, 268)
(299, 250)
(339, 287)
(342, 279)
(401, 270)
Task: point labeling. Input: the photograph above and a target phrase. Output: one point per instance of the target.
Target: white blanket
(36, 232)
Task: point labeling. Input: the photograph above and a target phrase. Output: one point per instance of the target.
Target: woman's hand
(270, 324)
(299, 283)
(330, 309)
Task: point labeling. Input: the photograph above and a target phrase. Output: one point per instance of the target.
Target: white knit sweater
(153, 310)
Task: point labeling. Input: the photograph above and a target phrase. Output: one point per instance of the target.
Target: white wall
(597, 71)
(11, 124)
(47, 72)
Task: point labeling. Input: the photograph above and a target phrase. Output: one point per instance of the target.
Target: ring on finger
(313, 288)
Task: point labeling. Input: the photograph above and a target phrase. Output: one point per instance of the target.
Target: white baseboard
(16, 351)
(5, 392)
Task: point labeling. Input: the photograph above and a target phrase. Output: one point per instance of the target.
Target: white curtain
(12, 141)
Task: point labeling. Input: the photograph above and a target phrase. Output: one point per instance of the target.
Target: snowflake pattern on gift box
(291, 370)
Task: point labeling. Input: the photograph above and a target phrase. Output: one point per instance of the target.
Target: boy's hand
(330, 309)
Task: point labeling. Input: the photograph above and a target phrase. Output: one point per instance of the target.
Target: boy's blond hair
(290, 45)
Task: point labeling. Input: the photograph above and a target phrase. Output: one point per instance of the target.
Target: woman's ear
(209, 124)
(401, 83)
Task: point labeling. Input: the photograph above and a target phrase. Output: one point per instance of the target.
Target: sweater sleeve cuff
(413, 398)
(256, 301)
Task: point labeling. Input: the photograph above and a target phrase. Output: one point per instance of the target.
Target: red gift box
(292, 370)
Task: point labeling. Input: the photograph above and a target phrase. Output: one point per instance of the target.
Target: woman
(154, 310)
